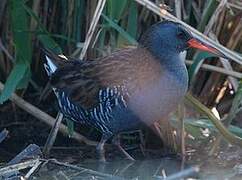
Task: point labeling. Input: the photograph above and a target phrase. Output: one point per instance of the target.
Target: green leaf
(19, 24)
(13, 80)
(132, 19)
(23, 83)
(236, 130)
(197, 62)
(43, 35)
(131, 24)
(189, 11)
(49, 43)
(79, 18)
(193, 130)
(205, 123)
(116, 9)
(122, 32)
(23, 49)
(207, 13)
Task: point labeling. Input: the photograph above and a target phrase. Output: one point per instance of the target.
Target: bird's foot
(102, 159)
(100, 154)
(100, 149)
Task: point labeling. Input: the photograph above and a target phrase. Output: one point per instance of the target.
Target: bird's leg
(100, 148)
(142, 142)
(156, 129)
(116, 141)
(166, 135)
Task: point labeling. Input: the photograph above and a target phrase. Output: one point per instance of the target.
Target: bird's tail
(53, 61)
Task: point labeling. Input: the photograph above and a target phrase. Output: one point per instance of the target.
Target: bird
(131, 86)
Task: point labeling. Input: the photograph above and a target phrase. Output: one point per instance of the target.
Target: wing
(87, 83)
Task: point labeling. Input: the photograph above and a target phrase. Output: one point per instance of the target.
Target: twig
(122, 170)
(3, 135)
(232, 43)
(218, 69)
(32, 170)
(215, 16)
(235, 36)
(31, 151)
(93, 25)
(229, 4)
(226, 64)
(164, 14)
(45, 117)
(181, 112)
(45, 92)
(182, 174)
(17, 167)
(178, 7)
(157, 130)
(54, 161)
(52, 136)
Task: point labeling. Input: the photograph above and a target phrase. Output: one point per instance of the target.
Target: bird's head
(168, 38)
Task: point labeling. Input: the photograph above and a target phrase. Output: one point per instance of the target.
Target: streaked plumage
(131, 86)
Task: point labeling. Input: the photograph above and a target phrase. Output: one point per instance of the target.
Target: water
(226, 165)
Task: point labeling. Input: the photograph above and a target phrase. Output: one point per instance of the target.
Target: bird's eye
(181, 34)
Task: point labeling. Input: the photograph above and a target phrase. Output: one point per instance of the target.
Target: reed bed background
(62, 25)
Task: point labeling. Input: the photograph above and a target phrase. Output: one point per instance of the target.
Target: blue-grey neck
(172, 63)
(169, 60)
(176, 66)
(162, 42)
